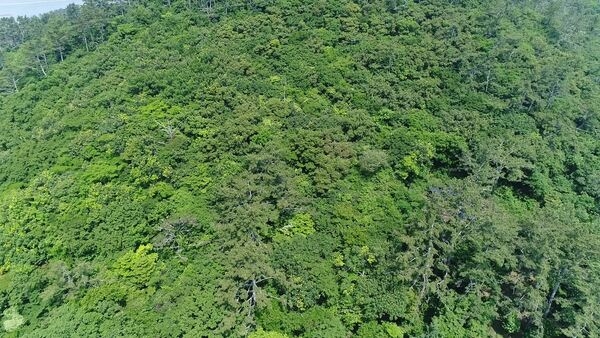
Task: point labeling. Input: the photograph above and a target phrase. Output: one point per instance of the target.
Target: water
(32, 7)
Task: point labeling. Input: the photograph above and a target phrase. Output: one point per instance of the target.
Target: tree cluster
(287, 168)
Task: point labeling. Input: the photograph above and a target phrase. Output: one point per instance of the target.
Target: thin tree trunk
(14, 82)
(554, 291)
(551, 298)
(41, 66)
(487, 80)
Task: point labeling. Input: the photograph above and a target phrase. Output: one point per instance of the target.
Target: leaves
(331, 168)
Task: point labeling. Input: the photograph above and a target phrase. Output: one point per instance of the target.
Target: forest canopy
(286, 168)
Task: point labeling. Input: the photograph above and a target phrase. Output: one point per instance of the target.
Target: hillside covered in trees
(315, 168)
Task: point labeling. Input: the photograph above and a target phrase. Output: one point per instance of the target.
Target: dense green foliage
(286, 168)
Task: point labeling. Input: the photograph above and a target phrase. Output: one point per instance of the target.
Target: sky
(32, 7)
